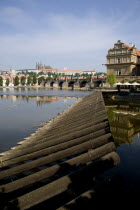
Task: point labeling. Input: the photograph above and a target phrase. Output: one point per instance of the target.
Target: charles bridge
(74, 83)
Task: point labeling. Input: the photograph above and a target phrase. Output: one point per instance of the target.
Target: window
(124, 51)
(118, 72)
(128, 59)
(112, 52)
(112, 60)
(119, 60)
(118, 52)
(124, 59)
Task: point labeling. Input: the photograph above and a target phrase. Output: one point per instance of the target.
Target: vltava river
(124, 122)
(23, 110)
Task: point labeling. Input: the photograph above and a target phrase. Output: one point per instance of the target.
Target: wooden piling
(71, 149)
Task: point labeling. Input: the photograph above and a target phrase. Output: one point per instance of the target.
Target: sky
(72, 34)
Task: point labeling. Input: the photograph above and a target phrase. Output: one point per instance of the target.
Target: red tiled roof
(138, 52)
(65, 70)
(130, 48)
(48, 69)
(90, 71)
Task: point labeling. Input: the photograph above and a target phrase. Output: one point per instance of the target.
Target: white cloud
(15, 17)
(62, 39)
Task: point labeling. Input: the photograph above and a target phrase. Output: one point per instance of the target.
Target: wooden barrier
(70, 150)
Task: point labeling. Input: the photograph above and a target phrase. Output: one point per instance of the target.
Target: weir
(56, 166)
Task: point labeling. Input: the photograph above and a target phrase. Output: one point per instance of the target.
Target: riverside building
(124, 61)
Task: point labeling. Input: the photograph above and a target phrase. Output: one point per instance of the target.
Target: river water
(124, 122)
(23, 110)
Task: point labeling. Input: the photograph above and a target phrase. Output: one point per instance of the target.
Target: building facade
(124, 61)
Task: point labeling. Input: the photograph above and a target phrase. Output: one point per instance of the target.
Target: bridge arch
(83, 83)
(52, 83)
(71, 84)
(99, 83)
(60, 84)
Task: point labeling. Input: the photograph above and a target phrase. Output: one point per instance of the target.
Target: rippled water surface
(22, 111)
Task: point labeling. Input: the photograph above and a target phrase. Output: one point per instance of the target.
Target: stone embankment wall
(123, 97)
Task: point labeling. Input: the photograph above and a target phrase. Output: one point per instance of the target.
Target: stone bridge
(74, 83)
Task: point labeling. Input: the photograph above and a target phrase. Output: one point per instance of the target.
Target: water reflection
(124, 120)
(21, 115)
(37, 91)
(39, 100)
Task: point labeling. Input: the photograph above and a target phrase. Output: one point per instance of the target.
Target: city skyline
(69, 34)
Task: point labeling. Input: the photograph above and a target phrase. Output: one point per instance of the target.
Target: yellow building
(124, 61)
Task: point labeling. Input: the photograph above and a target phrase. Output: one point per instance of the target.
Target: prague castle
(124, 61)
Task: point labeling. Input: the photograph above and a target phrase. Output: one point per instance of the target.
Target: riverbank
(122, 97)
(42, 87)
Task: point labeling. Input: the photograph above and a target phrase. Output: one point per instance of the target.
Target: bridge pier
(55, 85)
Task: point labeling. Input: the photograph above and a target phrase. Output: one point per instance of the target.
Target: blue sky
(73, 34)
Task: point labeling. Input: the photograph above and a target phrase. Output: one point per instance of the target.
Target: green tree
(1, 81)
(100, 73)
(55, 76)
(77, 75)
(49, 78)
(32, 74)
(16, 81)
(7, 81)
(40, 80)
(111, 78)
(23, 79)
(29, 80)
(49, 74)
(41, 73)
(34, 80)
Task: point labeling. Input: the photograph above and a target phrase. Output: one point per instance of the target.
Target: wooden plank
(46, 173)
(56, 156)
(54, 148)
(59, 140)
(83, 176)
(80, 202)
